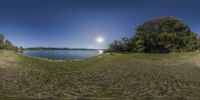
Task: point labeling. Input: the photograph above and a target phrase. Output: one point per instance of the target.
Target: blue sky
(77, 23)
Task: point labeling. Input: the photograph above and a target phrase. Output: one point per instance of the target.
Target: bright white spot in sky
(99, 39)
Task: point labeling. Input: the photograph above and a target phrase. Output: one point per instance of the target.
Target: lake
(63, 54)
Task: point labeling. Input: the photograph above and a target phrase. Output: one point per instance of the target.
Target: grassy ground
(116, 76)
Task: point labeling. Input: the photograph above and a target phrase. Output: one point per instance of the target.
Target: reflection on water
(63, 54)
(100, 51)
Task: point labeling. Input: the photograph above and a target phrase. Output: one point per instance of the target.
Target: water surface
(63, 54)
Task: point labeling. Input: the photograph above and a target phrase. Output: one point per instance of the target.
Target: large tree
(165, 34)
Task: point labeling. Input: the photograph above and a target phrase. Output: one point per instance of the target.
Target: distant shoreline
(51, 60)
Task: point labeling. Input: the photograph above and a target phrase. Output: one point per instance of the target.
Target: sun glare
(99, 39)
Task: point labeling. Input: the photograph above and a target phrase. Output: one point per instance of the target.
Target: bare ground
(8, 59)
(117, 76)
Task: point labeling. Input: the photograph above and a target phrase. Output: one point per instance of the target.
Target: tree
(166, 34)
(125, 44)
(115, 46)
(1, 41)
(140, 47)
(9, 45)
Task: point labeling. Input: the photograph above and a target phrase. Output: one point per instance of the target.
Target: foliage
(125, 44)
(7, 44)
(167, 34)
(1, 41)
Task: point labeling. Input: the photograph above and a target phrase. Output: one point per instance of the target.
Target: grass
(115, 76)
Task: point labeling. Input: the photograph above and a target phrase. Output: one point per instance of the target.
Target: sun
(99, 39)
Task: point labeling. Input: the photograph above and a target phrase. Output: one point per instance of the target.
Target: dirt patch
(8, 59)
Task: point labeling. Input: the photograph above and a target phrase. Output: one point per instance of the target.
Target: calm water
(63, 54)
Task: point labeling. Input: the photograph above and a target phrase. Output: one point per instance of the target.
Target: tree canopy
(167, 34)
(6, 44)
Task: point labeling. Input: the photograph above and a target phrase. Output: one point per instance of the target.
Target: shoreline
(51, 60)
(54, 60)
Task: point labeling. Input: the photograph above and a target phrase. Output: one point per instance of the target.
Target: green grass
(115, 76)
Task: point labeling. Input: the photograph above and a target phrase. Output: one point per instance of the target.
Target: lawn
(108, 76)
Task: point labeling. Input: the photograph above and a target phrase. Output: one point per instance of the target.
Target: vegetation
(117, 76)
(167, 34)
(7, 44)
(1, 41)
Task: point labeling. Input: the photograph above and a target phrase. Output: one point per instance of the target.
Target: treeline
(167, 34)
(7, 45)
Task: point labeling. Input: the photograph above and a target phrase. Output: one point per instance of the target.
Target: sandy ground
(8, 59)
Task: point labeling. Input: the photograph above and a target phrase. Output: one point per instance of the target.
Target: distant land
(54, 48)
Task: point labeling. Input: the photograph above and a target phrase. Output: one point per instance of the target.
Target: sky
(79, 23)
